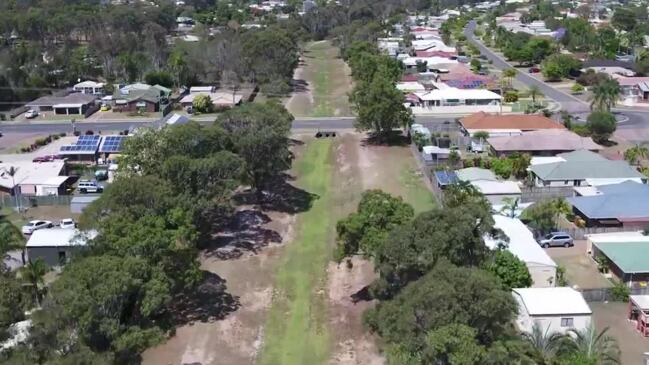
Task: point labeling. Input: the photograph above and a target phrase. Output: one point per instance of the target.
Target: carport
(68, 109)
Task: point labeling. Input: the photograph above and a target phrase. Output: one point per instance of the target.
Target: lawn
(416, 192)
(296, 330)
(327, 82)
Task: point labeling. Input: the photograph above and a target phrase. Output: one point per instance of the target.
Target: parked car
(31, 113)
(556, 239)
(46, 158)
(104, 107)
(89, 186)
(30, 227)
(534, 70)
(67, 223)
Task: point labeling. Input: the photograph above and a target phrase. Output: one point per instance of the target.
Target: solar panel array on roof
(112, 144)
(83, 145)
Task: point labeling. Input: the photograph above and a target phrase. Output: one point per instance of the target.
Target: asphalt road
(633, 117)
(331, 123)
(567, 101)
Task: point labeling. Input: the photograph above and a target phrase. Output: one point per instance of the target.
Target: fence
(580, 233)
(534, 194)
(34, 201)
(606, 294)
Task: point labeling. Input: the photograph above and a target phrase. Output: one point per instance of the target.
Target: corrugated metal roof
(580, 165)
(630, 257)
(552, 301)
(521, 241)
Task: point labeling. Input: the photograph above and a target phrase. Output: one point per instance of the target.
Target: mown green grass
(326, 76)
(296, 330)
(417, 194)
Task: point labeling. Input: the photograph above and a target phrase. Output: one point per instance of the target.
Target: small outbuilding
(56, 246)
(554, 309)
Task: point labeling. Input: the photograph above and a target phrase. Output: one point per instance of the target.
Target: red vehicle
(46, 158)
(534, 70)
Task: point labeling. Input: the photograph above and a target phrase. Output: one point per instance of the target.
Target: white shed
(555, 309)
(523, 245)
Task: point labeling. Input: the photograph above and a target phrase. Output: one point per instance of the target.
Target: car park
(31, 113)
(32, 226)
(556, 239)
(67, 223)
(89, 186)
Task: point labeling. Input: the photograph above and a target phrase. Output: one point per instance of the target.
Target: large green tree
(364, 230)
(446, 295)
(511, 271)
(259, 135)
(601, 125)
(605, 95)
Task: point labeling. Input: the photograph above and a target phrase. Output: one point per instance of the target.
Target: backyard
(294, 302)
(321, 83)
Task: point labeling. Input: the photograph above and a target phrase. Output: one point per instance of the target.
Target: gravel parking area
(581, 270)
(613, 315)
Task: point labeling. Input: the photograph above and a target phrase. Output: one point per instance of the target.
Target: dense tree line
(140, 276)
(444, 297)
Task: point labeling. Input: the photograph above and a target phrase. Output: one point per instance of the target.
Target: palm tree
(605, 95)
(510, 206)
(590, 345)
(509, 74)
(545, 343)
(534, 92)
(32, 274)
(10, 238)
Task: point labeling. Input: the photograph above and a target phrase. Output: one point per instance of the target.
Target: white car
(89, 186)
(67, 223)
(30, 227)
(31, 114)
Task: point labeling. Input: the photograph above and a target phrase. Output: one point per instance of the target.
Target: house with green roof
(141, 97)
(583, 168)
(628, 260)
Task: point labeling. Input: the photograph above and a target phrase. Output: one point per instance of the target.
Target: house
(627, 260)
(624, 204)
(83, 149)
(521, 243)
(554, 309)
(71, 104)
(89, 87)
(133, 100)
(81, 202)
(583, 168)
(449, 100)
(639, 313)
(544, 142)
(202, 89)
(505, 125)
(633, 89)
(34, 178)
(55, 246)
(494, 190)
(220, 99)
(174, 119)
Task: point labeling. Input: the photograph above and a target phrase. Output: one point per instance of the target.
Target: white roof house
(497, 191)
(219, 98)
(410, 86)
(554, 309)
(430, 61)
(523, 245)
(427, 44)
(453, 93)
(33, 178)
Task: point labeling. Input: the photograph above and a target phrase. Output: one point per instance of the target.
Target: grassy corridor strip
(296, 331)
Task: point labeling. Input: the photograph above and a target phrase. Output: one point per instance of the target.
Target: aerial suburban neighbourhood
(206, 182)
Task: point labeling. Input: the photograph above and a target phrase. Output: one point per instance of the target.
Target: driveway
(613, 315)
(581, 270)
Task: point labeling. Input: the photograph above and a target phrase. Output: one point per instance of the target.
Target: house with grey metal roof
(583, 168)
(619, 205)
(544, 142)
(75, 103)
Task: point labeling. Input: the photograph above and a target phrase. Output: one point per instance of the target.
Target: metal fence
(534, 194)
(606, 294)
(580, 233)
(34, 201)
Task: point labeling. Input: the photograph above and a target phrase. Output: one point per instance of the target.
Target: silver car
(556, 239)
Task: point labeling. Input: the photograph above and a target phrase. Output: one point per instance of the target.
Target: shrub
(577, 89)
(89, 133)
(601, 126)
(62, 134)
(502, 167)
(620, 292)
(77, 133)
(511, 96)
